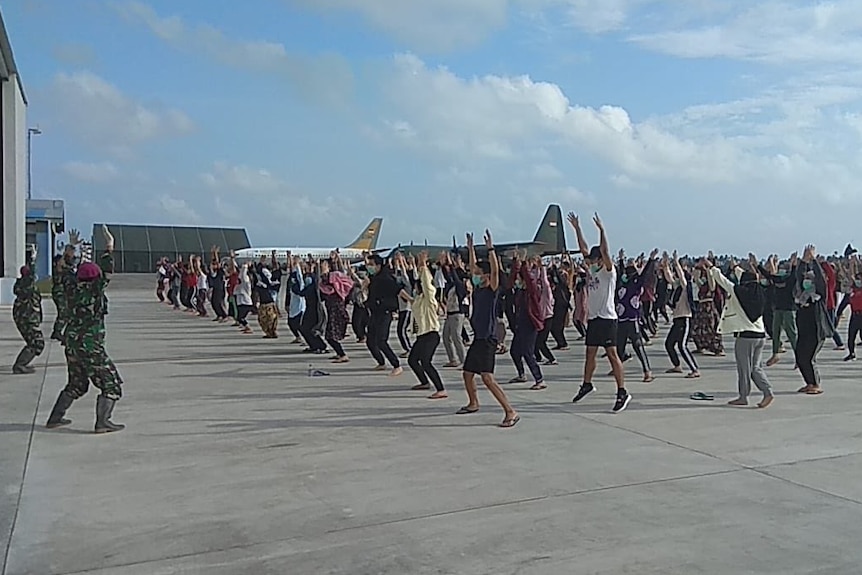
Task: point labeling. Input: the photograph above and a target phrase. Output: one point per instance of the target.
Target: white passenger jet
(365, 244)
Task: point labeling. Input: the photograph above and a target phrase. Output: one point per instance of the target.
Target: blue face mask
(858, 283)
(519, 284)
(371, 271)
(308, 281)
(764, 282)
(783, 273)
(594, 269)
(477, 280)
(807, 285)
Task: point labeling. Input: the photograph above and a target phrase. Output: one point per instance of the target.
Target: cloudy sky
(697, 124)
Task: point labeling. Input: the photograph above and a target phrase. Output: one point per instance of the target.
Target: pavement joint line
(759, 469)
(421, 517)
(32, 434)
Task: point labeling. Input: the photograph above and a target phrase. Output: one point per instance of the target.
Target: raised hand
(109, 239)
(489, 241)
(598, 221)
(422, 260)
(573, 220)
(470, 243)
(74, 237)
(653, 254)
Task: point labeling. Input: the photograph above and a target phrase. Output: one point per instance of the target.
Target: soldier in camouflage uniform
(27, 313)
(63, 283)
(86, 358)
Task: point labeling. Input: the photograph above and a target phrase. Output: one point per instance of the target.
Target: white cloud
(98, 113)
(432, 25)
(244, 194)
(325, 76)
(176, 211)
(499, 118)
(91, 172)
(772, 31)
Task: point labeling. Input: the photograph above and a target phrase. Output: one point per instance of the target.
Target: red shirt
(856, 300)
(831, 284)
(232, 282)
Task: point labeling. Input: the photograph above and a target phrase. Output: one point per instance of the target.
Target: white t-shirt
(601, 302)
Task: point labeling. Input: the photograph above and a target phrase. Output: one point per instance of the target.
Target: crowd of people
(612, 301)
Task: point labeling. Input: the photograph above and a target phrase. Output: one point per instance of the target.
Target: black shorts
(481, 356)
(602, 333)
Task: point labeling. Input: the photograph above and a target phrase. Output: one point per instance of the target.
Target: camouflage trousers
(87, 361)
(62, 314)
(32, 335)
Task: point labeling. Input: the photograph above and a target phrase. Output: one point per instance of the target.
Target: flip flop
(701, 396)
(466, 411)
(507, 423)
(539, 387)
(816, 391)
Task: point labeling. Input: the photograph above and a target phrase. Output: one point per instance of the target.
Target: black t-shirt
(217, 281)
(484, 318)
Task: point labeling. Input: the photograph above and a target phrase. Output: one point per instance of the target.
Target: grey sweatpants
(452, 337)
(749, 366)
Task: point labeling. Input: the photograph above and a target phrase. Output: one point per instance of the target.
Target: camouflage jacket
(88, 307)
(69, 283)
(28, 302)
(58, 289)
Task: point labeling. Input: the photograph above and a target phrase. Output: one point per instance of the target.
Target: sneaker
(586, 389)
(851, 357)
(623, 399)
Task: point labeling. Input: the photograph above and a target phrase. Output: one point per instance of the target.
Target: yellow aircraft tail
(367, 240)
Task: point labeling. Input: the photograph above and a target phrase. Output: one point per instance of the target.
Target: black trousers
(336, 347)
(542, 350)
(293, 323)
(853, 332)
(558, 326)
(677, 341)
(186, 296)
(630, 332)
(404, 323)
(217, 304)
(359, 321)
(379, 325)
(421, 359)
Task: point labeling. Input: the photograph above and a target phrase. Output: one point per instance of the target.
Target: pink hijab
(338, 283)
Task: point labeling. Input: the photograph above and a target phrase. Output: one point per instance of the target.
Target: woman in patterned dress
(335, 288)
(706, 315)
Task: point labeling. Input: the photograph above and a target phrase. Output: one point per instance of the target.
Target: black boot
(57, 336)
(104, 408)
(22, 362)
(64, 402)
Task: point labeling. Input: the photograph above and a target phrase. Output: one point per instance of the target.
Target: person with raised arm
(813, 322)
(528, 322)
(601, 312)
(682, 303)
(482, 353)
(742, 317)
(426, 328)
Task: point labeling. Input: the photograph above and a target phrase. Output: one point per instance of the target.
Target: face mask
(624, 278)
(858, 283)
(519, 284)
(807, 285)
(764, 282)
(702, 281)
(477, 280)
(371, 271)
(594, 269)
(783, 273)
(308, 281)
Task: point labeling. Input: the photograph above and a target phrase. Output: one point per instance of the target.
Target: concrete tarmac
(236, 462)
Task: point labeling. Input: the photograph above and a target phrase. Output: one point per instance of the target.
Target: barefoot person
(426, 326)
(743, 317)
(482, 353)
(601, 312)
